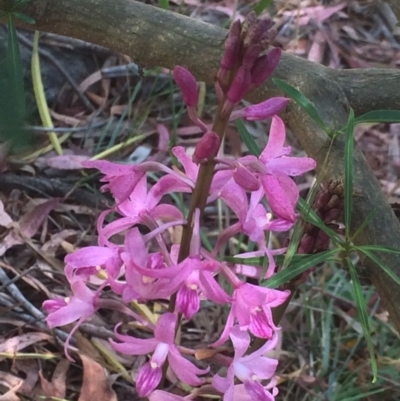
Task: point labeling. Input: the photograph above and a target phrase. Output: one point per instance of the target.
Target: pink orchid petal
(291, 165)
(211, 289)
(148, 379)
(159, 395)
(136, 346)
(227, 329)
(278, 199)
(165, 329)
(135, 247)
(90, 256)
(191, 168)
(166, 213)
(188, 301)
(240, 340)
(276, 140)
(257, 392)
(235, 197)
(185, 370)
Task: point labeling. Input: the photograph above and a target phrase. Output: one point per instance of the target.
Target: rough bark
(153, 37)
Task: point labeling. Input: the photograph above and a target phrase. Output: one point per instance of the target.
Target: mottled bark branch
(153, 37)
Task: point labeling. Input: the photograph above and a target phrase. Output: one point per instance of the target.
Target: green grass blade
(295, 269)
(379, 248)
(348, 173)
(24, 18)
(362, 311)
(302, 101)
(363, 396)
(261, 6)
(14, 65)
(19, 3)
(379, 116)
(379, 262)
(364, 224)
(248, 139)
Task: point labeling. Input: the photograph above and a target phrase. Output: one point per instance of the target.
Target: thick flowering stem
(203, 184)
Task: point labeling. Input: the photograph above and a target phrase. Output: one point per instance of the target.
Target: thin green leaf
(248, 139)
(302, 101)
(12, 92)
(19, 3)
(348, 172)
(259, 261)
(363, 396)
(14, 64)
(295, 269)
(310, 216)
(382, 265)
(379, 248)
(24, 18)
(261, 6)
(364, 224)
(362, 311)
(379, 116)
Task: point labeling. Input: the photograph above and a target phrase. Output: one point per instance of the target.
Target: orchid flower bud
(188, 85)
(245, 178)
(261, 111)
(232, 47)
(240, 85)
(264, 66)
(207, 146)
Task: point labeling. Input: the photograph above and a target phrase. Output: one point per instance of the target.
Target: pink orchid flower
(249, 369)
(251, 307)
(200, 282)
(253, 218)
(162, 346)
(272, 170)
(142, 207)
(79, 307)
(149, 276)
(96, 264)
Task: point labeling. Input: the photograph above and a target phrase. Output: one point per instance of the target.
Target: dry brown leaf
(17, 343)
(11, 395)
(5, 219)
(95, 384)
(57, 386)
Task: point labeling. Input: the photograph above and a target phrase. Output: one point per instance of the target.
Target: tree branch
(155, 37)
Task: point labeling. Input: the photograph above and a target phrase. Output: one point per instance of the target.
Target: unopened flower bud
(245, 178)
(263, 28)
(261, 111)
(232, 46)
(240, 85)
(188, 85)
(207, 146)
(264, 66)
(251, 55)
